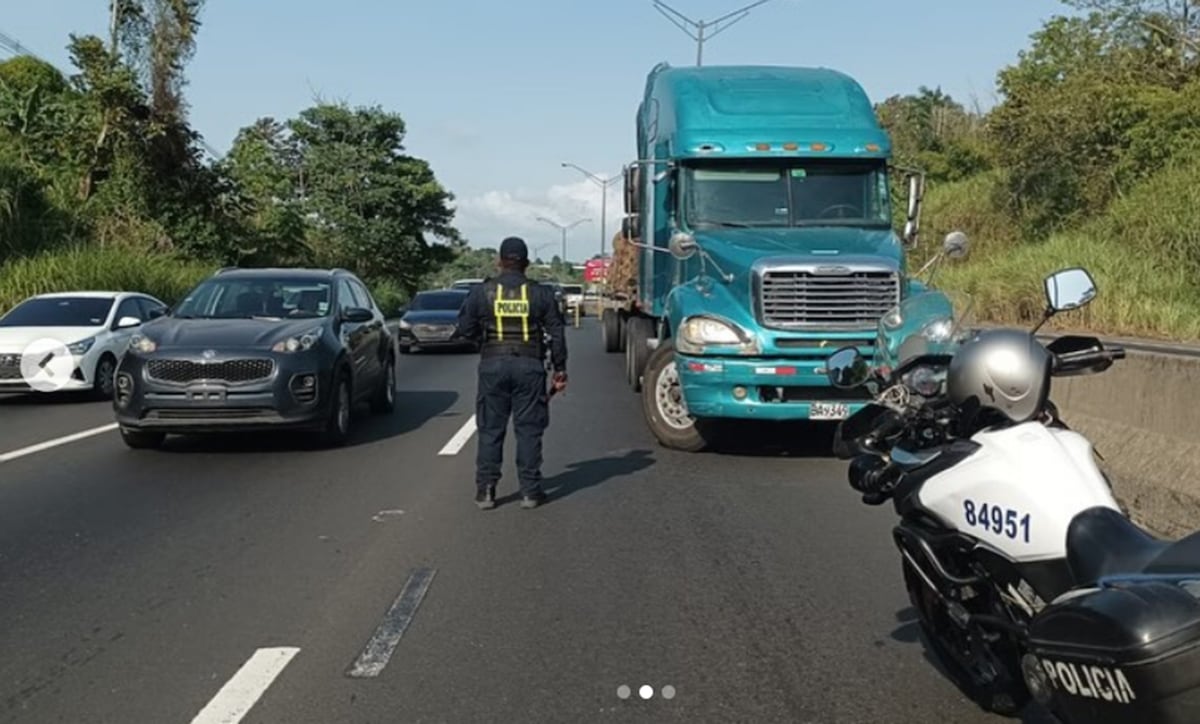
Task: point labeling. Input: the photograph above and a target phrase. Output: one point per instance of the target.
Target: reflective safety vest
(511, 323)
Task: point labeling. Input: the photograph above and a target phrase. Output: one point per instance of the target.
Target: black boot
(485, 498)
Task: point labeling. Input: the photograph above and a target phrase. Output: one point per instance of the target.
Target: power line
(686, 24)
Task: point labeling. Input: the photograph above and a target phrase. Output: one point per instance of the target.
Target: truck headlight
(404, 325)
(299, 342)
(143, 344)
(699, 332)
(82, 346)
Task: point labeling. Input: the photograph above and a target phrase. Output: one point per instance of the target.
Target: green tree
(370, 204)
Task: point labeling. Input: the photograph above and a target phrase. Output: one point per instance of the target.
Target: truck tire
(663, 405)
(638, 332)
(610, 330)
(622, 329)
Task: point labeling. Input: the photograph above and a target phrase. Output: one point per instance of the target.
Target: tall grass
(101, 269)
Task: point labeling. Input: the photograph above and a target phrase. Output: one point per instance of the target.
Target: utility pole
(702, 30)
(563, 229)
(603, 183)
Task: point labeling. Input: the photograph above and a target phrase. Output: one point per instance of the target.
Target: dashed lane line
(460, 438)
(247, 686)
(379, 649)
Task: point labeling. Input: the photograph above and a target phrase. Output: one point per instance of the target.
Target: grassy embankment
(1143, 253)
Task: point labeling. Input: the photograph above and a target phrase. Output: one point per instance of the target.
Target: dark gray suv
(258, 349)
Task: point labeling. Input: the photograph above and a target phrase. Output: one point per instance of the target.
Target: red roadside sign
(595, 270)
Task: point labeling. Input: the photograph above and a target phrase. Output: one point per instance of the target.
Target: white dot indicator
(668, 692)
(623, 691)
(646, 691)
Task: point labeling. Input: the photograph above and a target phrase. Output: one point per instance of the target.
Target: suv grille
(234, 371)
(799, 298)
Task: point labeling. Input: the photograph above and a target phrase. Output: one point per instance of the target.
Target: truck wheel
(622, 330)
(639, 330)
(610, 330)
(663, 405)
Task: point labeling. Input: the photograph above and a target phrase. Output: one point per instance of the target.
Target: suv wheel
(384, 401)
(337, 427)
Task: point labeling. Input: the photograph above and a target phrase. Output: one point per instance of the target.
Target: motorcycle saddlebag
(1127, 651)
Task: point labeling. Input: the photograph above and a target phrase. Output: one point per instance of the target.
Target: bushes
(100, 269)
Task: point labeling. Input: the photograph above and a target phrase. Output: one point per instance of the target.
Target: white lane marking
(243, 691)
(5, 457)
(460, 438)
(378, 651)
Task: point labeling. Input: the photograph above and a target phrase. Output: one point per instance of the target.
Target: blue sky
(497, 94)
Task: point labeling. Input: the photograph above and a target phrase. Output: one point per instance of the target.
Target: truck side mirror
(629, 227)
(633, 177)
(912, 223)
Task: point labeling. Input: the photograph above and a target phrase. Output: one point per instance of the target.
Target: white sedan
(94, 327)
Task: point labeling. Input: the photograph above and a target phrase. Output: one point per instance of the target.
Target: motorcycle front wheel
(986, 676)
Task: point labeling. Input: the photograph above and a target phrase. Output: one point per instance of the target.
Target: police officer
(512, 317)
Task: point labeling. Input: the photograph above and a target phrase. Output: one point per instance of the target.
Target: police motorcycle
(1027, 578)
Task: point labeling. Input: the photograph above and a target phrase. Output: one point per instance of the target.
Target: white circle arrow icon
(46, 365)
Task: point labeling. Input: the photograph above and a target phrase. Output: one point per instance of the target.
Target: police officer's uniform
(513, 316)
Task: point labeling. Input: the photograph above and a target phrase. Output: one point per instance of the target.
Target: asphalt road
(152, 586)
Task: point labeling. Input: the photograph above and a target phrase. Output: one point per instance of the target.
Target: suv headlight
(404, 325)
(300, 342)
(699, 332)
(82, 346)
(143, 344)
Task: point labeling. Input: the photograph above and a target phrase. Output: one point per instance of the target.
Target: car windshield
(799, 193)
(437, 301)
(256, 298)
(59, 312)
(572, 289)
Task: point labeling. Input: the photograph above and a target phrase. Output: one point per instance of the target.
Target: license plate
(828, 411)
(206, 395)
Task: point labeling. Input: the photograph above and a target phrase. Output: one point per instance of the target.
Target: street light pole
(603, 182)
(563, 228)
(683, 22)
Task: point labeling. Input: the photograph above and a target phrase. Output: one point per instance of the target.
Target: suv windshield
(259, 297)
(572, 289)
(803, 192)
(433, 301)
(59, 312)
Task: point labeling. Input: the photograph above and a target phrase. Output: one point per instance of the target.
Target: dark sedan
(258, 348)
(430, 319)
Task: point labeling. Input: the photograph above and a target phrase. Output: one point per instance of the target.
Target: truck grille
(797, 298)
(234, 371)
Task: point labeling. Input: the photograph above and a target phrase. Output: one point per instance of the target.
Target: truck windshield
(803, 192)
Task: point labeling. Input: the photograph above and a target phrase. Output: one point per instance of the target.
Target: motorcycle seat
(1103, 542)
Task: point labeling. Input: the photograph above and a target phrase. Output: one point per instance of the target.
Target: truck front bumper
(764, 389)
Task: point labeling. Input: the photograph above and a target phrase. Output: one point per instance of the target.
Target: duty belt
(511, 350)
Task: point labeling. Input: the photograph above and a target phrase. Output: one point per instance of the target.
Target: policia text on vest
(513, 318)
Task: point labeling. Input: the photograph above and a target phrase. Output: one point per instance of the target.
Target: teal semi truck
(758, 238)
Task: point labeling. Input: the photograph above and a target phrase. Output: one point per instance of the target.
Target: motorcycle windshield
(930, 322)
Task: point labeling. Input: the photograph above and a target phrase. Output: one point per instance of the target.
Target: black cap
(514, 248)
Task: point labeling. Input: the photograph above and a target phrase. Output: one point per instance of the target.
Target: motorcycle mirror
(1069, 289)
(846, 368)
(956, 245)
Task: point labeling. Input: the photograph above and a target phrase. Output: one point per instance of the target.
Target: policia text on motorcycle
(514, 316)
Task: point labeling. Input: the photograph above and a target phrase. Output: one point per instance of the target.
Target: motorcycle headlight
(938, 330)
(82, 346)
(299, 342)
(142, 343)
(699, 332)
